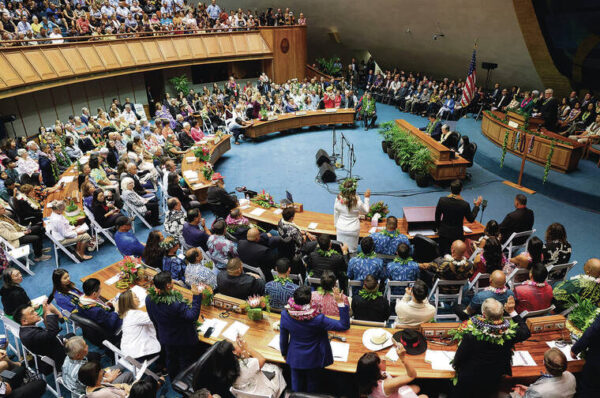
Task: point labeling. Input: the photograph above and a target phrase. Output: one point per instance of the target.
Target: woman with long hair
(105, 214)
(557, 249)
(153, 254)
(491, 258)
(139, 336)
(533, 254)
(374, 382)
(348, 206)
(64, 290)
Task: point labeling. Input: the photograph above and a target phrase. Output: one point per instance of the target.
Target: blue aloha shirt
(175, 266)
(402, 270)
(386, 244)
(279, 293)
(359, 268)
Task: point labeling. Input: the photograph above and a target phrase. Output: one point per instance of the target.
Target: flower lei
(532, 283)
(483, 330)
(588, 278)
(389, 234)
(281, 280)
(172, 297)
(504, 145)
(363, 255)
(367, 295)
(403, 261)
(451, 259)
(497, 290)
(327, 253)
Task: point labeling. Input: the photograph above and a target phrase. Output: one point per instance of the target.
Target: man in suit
(235, 283)
(175, 322)
(590, 343)
(450, 212)
(41, 341)
(519, 220)
(219, 201)
(303, 338)
(434, 127)
(502, 102)
(91, 306)
(259, 251)
(496, 93)
(549, 109)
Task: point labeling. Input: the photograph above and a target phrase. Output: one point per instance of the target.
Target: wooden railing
(312, 71)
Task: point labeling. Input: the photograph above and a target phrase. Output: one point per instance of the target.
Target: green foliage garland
(378, 207)
(504, 145)
(172, 297)
(369, 295)
(327, 253)
(328, 66)
(363, 255)
(584, 313)
(548, 162)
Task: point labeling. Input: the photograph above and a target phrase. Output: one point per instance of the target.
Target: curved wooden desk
(200, 185)
(261, 333)
(299, 119)
(70, 190)
(566, 154)
(325, 224)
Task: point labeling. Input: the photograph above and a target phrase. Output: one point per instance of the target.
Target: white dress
(346, 221)
(253, 380)
(139, 336)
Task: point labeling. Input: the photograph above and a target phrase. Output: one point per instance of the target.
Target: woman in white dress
(346, 211)
(139, 336)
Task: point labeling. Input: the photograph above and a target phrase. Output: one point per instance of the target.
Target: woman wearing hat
(171, 262)
(376, 383)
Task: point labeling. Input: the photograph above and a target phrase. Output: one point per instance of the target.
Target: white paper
(244, 207)
(66, 179)
(425, 232)
(36, 302)
(190, 159)
(236, 329)
(82, 228)
(467, 229)
(375, 229)
(190, 174)
(566, 349)
(392, 354)
(141, 294)
(257, 212)
(522, 358)
(274, 343)
(439, 360)
(217, 324)
(278, 211)
(340, 351)
(112, 280)
(331, 110)
(313, 225)
(198, 186)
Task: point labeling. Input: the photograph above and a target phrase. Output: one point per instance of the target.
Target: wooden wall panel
(108, 57)
(198, 47)
(226, 44)
(74, 59)
(63, 102)
(58, 62)
(9, 75)
(152, 50)
(45, 108)
(212, 45)
(38, 61)
(91, 58)
(122, 52)
(139, 55)
(167, 50)
(289, 59)
(23, 67)
(182, 48)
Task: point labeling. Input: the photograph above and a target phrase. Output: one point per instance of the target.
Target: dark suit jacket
(449, 215)
(259, 254)
(549, 111)
(502, 101)
(517, 221)
(590, 343)
(175, 324)
(241, 286)
(137, 185)
(377, 310)
(45, 342)
(305, 344)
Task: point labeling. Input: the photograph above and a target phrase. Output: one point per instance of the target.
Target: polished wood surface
(69, 191)
(288, 48)
(566, 154)
(190, 162)
(445, 167)
(261, 333)
(312, 71)
(302, 119)
(325, 224)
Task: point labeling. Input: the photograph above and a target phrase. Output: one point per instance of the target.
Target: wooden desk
(293, 121)
(70, 190)
(566, 154)
(325, 223)
(200, 185)
(261, 333)
(445, 167)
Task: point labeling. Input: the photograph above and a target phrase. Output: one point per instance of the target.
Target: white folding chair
(512, 248)
(242, 394)
(294, 277)
(255, 270)
(98, 229)
(439, 297)
(353, 283)
(542, 312)
(388, 289)
(475, 283)
(68, 322)
(12, 328)
(313, 282)
(74, 394)
(558, 272)
(133, 212)
(475, 253)
(129, 363)
(517, 277)
(18, 255)
(37, 360)
(57, 245)
(54, 390)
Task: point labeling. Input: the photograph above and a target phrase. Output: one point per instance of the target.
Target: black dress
(13, 297)
(377, 310)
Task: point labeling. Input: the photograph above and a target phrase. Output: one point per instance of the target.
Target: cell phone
(208, 332)
(411, 285)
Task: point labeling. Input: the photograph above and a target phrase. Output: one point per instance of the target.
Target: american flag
(469, 89)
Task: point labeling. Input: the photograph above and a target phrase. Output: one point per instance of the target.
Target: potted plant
(264, 115)
(180, 84)
(406, 152)
(386, 129)
(72, 210)
(582, 316)
(420, 164)
(398, 144)
(255, 306)
(264, 200)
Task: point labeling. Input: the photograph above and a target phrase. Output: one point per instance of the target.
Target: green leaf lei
(323, 292)
(483, 330)
(504, 145)
(363, 255)
(281, 280)
(403, 261)
(389, 234)
(548, 162)
(327, 253)
(369, 295)
(172, 297)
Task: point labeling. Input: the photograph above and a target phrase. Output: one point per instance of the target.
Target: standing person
(590, 343)
(449, 215)
(175, 321)
(346, 210)
(519, 220)
(303, 338)
(139, 336)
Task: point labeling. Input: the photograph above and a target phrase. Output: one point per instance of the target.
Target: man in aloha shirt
(365, 263)
(586, 285)
(402, 268)
(387, 241)
(454, 267)
(281, 288)
(220, 249)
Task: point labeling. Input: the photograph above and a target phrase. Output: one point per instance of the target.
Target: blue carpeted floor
(286, 161)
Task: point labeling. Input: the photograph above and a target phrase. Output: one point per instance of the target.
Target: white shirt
(346, 219)
(130, 117)
(60, 228)
(412, 313)
(139, 336)
(56, 36)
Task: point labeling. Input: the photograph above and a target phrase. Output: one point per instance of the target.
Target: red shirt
(532, 296)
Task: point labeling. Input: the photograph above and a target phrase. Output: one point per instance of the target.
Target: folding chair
(511, 247)
(242, 394)
(388, 289)
(353, 283)
(475, 283)
(294, 277)
(475, 253)
(98, 229)
(255, 270)
(438, 297)
(57, 245)
(18, 255)
(542, 312)
(517, 277)
(313, 282)
(558, 272)
(73, 393)
(133, 212)
(128, 362)
(12, 328)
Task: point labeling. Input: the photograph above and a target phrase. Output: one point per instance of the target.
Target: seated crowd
(37, 22)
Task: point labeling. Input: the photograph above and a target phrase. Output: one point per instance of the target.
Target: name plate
(300, 113)
(331, 110)
(513, 124)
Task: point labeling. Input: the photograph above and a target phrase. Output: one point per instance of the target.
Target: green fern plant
(180, 83)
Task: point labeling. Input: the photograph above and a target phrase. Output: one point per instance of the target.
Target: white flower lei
(448, 257)
(589, 278)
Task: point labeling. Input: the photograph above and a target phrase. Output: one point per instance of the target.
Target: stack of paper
(278, 211)
(274, 343)
(522, 358)
(112, 280)
(566, 349)
(340, 351)
(313, 225)
(66, 179)
(392, 354)
(257, 212)
(217, 324)
(236, 329)
(439, 360)
(190, 174)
